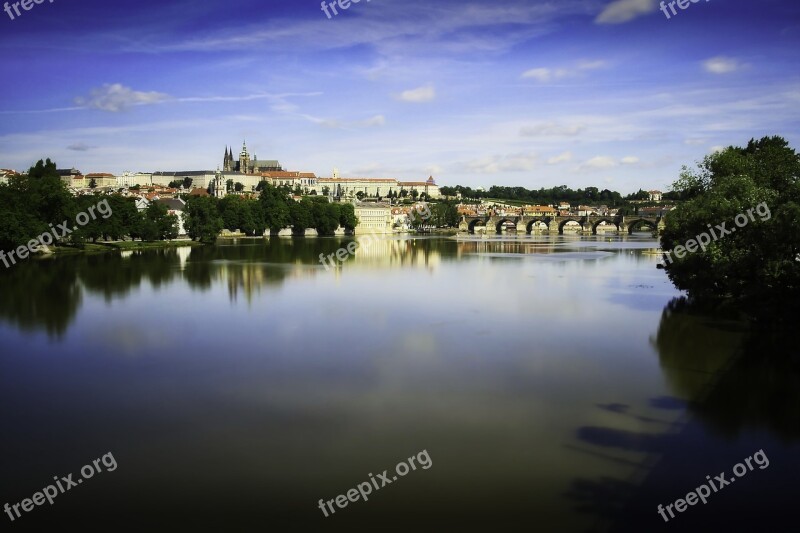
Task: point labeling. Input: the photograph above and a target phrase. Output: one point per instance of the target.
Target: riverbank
(119, 246)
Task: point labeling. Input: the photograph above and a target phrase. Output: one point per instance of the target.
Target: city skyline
(533, 94)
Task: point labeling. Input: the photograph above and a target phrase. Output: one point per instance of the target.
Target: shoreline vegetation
(117, 246)
(754, 269)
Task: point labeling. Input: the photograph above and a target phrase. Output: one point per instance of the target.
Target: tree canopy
(756, 264)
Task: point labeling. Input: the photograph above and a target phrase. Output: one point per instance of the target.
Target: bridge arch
(476, 222)
(569, 219)
(630, 224)
(607, 220)
(544, 220)
(498, 227)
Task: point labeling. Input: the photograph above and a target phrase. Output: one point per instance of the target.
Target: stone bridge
(532, 224)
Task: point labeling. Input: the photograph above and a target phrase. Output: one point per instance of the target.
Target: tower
(219, 185)
(244, 160)
(227, 164)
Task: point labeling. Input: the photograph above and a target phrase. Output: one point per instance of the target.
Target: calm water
(554, 382)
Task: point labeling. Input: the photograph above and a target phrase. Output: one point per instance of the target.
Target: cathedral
(245, 165)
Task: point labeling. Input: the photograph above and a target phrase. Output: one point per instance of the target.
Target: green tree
(347, 217)
(325, 216)
(301, 216)
(92, 183)
(123, 220)
(187, 183)
(202, 220)
(30, 203)
(157, 224)
(239, 186)
(233, 210)
(757, 264)
(275, 208)
(445, 214)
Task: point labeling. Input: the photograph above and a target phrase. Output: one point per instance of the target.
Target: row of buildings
(250, 172)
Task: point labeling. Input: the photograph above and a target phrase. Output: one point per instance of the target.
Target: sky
(529, 93)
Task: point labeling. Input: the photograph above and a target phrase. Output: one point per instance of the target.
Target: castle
(245, 165)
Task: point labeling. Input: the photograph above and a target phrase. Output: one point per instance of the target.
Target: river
(555, 383)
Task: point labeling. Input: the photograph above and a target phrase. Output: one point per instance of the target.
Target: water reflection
(734, 379)
(46, 294)
(741, 385)
(534, 370)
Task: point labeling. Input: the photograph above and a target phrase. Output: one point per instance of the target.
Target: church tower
(244, 160)
(227, 164)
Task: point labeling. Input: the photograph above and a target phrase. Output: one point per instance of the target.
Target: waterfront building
(373, 218)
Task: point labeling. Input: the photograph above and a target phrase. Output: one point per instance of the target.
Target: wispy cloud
(551, 129)
(621, 11)
(79, 147)
(116, 97)
(418, 95)
(598, 163)
(548, 74)
(722, 65)
(564, 157)
(377, 120)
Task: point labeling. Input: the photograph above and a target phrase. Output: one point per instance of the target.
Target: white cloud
(716, 149)
(629, 160)
(597, 163)
(548, 129)
(545, 74)
(418, 95)
(721, 65)
(542, 75)
(620, 11)
(377, 120)
(116, 97)
(565, 157)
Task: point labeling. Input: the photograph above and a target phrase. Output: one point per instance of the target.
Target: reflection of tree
(733, 382)
(113, 275)
(46, 294)
(40, 295)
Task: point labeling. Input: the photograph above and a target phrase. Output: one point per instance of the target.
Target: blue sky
(530, 93)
